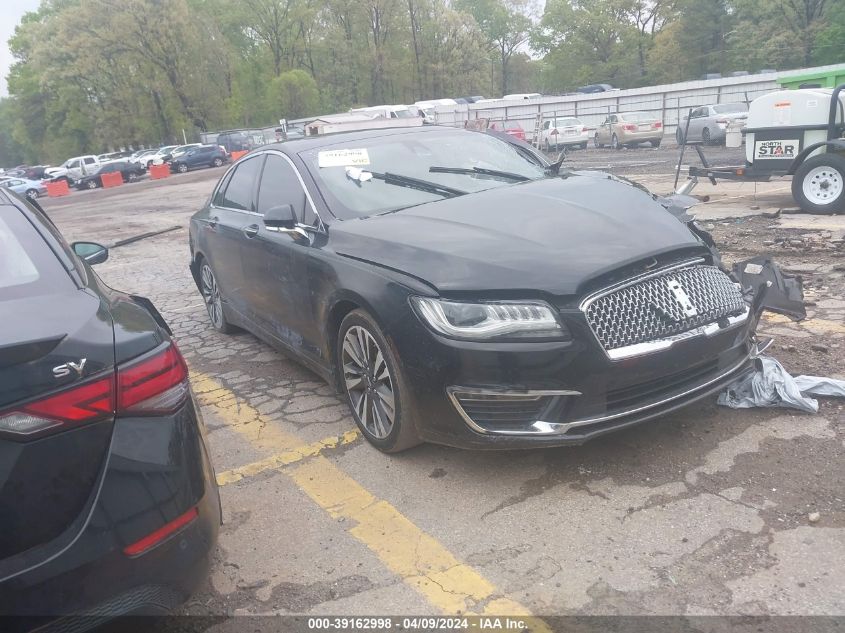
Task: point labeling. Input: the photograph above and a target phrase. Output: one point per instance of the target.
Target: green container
(825, 79)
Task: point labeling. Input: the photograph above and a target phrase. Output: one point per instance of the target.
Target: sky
(11, 12)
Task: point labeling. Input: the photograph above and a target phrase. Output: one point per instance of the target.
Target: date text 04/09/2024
(419, 623)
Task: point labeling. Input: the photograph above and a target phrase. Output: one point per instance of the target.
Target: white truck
(74, 168)
(798, 133)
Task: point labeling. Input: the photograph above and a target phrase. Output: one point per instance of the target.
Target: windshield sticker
(343, 157)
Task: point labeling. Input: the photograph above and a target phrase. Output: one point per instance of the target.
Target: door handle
(251, 230)
(212, 222)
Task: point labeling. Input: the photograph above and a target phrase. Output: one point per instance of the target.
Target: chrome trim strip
(542, 427)
(708, 330)
(533, 394)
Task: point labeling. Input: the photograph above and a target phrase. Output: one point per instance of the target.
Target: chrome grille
(663, 306)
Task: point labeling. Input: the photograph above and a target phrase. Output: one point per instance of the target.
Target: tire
(679, 136)
(705, 136)
(32, 194)
(596, 142)
(583, 145)
(131, 177)
(182, 168)
(210, 292)
(818, 185)
(655, 144)
(91, 184)
(217, 162)
(614, 143)
(371, 377)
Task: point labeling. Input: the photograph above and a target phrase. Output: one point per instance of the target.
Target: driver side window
(280, 185)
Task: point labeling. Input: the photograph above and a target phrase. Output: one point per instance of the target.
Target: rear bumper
(157, 469)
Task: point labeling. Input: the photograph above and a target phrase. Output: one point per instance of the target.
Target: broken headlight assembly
(500, 321)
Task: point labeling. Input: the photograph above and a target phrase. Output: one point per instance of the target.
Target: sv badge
(61, 371)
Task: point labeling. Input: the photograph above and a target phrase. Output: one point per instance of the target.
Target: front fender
(837, 145)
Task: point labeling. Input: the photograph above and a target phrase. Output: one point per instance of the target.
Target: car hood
(552, 236)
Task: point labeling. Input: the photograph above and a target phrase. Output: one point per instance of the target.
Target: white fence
(669, 102)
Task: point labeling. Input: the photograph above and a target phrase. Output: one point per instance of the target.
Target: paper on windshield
(343, 157)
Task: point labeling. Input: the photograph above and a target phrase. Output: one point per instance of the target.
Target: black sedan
(108, 502)
(202, 156)
(129, 171)
(457, 290)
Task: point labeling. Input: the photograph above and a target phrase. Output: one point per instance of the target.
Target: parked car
(24, 187)
(36, 172)
(202, 156)
(522, 96)
(158, 157)
(174, 153)
(140, 156)
(594, 88)
(709, 123)
(509, 127)
(457, 291)
(74, 168)
(563, 132)
(110, 502)
(629, 129)
(104, 158)
(129, 171)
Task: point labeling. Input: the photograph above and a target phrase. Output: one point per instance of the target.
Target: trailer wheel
(818, 185)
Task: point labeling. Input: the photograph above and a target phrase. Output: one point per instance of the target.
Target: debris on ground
(785, 294)
(770, 385)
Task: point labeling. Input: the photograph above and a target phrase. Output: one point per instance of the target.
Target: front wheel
(818, 185)
(705, 136)
(371, 377)
(32, 194)
(91, 184)
(182, 168)
(217, 162)
(213, 300)
(655, 144)
(596, 141)
(614, 142)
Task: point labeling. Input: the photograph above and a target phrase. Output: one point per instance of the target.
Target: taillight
(156, 384)
(630, 127)
(658, 125)
(80, 404)
(154, 538)
(722, 121)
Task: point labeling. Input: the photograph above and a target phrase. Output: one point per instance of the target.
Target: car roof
(297, 145)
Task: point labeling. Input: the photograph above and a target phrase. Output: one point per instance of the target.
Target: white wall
(670, 102)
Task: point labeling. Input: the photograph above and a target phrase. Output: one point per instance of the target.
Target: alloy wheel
(32, 194)
(211, 296)
(368, 382)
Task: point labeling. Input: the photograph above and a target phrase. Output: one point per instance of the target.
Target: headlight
(486, 321)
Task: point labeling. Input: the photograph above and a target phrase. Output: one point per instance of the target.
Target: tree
(506, 26)
(295, 94)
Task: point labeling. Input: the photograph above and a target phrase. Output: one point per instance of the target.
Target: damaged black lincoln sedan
(459, 290)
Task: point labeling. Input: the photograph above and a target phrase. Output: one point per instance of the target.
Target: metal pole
(184, 138)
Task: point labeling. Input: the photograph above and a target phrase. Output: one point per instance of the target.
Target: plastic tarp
(770, 385)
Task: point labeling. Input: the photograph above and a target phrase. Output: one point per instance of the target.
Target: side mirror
(91, 252)
(280, 217)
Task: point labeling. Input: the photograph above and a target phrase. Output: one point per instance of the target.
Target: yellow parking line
(286, 458)
(419, 559)
(819, 326)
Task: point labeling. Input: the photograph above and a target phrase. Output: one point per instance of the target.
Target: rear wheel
(655, 144)
(371, 376)
(217, 162)
(32, 194)
(596, 141)
(213, 300)
(583, 145)
(819, 184)
(182, 168)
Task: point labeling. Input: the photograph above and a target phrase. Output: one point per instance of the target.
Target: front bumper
(156, 470)
(467, 394)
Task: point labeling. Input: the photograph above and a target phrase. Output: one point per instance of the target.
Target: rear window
(727, 108)
(27, 265)
(635, 117)
(566, 122)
